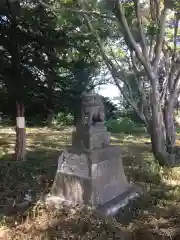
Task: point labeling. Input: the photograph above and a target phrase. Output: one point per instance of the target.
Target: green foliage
(111, 109)
(178, 130)
(64, 119)
(124, 125)
(55, 61)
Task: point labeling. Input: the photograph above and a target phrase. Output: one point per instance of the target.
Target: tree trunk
(20, 147)
(75, 119)
(158, 139)
(50, 118)
(169, 122)
(162, 133)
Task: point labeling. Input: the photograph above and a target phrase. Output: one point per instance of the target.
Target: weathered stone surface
(72, 188)
(120, 202)
(95, 137)
(92, 110)
(108, 180)
(99, 172)
(73, 163)
(103, 154)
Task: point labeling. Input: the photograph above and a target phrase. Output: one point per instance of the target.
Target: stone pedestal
(87, 139)
(91, 173)
(90, 178)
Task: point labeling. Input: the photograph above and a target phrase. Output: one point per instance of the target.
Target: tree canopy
(148, 47)
(52, 51)
(46, 59)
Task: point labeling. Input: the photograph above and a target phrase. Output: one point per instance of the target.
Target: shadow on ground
(159, 208)
(35, 175)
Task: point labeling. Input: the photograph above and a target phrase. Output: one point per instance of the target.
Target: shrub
(64, 119)
(124, 125)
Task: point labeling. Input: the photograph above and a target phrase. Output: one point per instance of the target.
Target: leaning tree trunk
(20, 148)
(162, 133)
(50, 117)
(158, 139)
(170, 131)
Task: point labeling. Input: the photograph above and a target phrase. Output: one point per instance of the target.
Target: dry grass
(63, 224)
(156, 217)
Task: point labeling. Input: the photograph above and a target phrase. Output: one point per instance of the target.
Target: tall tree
(11, 10)
(46, 61)
(155, 61)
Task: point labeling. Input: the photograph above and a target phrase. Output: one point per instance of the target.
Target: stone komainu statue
(92, 109)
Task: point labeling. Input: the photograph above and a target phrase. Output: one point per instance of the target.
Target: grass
(157, 217)
(125, 125)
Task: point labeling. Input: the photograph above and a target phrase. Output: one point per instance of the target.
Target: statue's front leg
(90, 116)
(82, 120)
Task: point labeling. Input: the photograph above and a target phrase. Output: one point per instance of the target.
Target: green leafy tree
(46, 62)
(152, 46)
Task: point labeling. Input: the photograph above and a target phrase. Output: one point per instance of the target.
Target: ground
(157, 215)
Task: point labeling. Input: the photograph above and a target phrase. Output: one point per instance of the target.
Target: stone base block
(91, 178)
(91, 138)
(112, 207)
(71, 188)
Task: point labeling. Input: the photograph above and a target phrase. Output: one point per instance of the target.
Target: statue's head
(90, 99)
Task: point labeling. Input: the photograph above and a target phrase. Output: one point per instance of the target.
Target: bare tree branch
(164, 91)
(172, 69)
(121, 76)
(175, 89)
(112, 69)
(141, 91)
(119, 12)
(137, 73)
(141, 28)
(154, 10)
(160, 38)
(176, 20)
(150, 53)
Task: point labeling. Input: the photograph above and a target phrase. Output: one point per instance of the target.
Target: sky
(110, 91)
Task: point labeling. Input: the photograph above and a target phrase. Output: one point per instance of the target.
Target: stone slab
(74, 163)
(98, 154)
(73, 189)
(112, 207)
(103, 154)
(91, 139)
(116, 207)
(99, 173)
(86, 165)
(108, 180)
